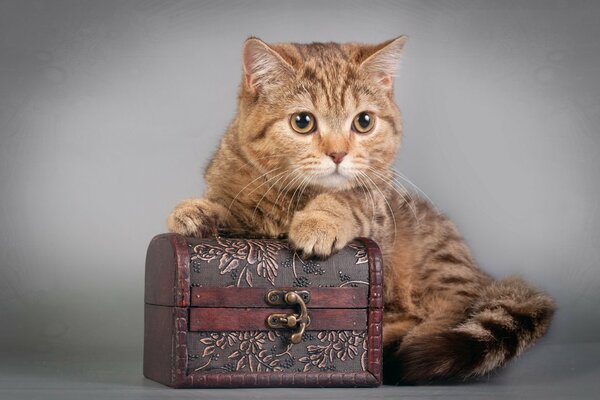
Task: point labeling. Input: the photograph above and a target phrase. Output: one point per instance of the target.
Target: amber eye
(303, 122)
(363, 122)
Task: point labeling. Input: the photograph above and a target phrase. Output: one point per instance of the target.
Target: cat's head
(322, 114)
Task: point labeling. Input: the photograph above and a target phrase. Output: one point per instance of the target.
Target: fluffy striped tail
(505, 319)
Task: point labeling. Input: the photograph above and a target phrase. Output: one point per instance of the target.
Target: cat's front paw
(194, 217)
(315, 233)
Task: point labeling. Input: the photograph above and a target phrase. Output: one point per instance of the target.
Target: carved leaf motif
(258, 351)
(233, 253)
(207, 252)
(263, 255)
(226, 340)
(248, 278)
(228, 263)
(253, 252)
(251, 352)
(360, 253)
(240, 364)
(340, 345)
(208, 351)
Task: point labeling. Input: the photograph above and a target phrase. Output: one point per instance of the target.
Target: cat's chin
(334, 181)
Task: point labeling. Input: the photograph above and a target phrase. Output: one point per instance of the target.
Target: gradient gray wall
(109, 111)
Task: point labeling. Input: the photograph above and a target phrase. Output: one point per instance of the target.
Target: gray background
(109, 111)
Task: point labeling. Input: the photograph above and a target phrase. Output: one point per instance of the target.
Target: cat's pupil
(364, 120)
(302, 120)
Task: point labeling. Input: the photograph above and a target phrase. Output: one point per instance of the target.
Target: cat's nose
(337, 156)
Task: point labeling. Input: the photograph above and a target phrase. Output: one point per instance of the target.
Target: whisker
(281, 176)
(402, 176)
(288, 186)
(381, 173)
(402, 194)
(366, 190)
(287, 215)
(267, 181)
(310, 178)
(305, 185)
(385, 199)
(251, 182)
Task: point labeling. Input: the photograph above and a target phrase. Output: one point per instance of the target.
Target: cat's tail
(504, 320)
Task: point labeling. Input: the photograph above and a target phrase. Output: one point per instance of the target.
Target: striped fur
(444, 317)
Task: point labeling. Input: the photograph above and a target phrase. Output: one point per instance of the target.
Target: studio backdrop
(110, 110)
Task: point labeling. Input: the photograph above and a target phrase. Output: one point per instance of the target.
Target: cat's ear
(263, 66)
(384, 62)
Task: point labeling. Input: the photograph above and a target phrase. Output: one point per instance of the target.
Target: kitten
(310, 154)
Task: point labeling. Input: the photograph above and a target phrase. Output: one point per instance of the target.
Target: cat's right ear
(384, 62)
(263, 66)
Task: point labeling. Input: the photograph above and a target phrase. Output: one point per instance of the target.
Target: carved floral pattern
(256, 263)
(244, 256)
(226, 261)
(269, 351)
(361, 253)
(339, 345)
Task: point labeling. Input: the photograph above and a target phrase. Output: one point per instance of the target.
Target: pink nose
(337, 157)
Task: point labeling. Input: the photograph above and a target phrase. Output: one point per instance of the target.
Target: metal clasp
(298, 322)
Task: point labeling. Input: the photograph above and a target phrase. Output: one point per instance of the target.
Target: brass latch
(298, 322)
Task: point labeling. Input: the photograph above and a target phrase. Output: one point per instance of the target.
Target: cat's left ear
(384, 62)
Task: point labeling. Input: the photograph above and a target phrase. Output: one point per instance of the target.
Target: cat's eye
(363, 122)
(303, 122)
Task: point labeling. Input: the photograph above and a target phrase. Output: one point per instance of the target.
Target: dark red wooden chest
(234, 312)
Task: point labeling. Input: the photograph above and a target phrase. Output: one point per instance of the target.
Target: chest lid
(237, 272)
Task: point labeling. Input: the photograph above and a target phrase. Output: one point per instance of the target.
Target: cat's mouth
(338, 178)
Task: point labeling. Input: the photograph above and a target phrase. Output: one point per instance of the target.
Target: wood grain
(320, 297)
(254, 319)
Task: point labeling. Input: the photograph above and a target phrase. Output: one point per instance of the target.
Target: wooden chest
(234, 312)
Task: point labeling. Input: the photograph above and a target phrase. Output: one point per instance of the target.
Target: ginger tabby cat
(309, 153)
